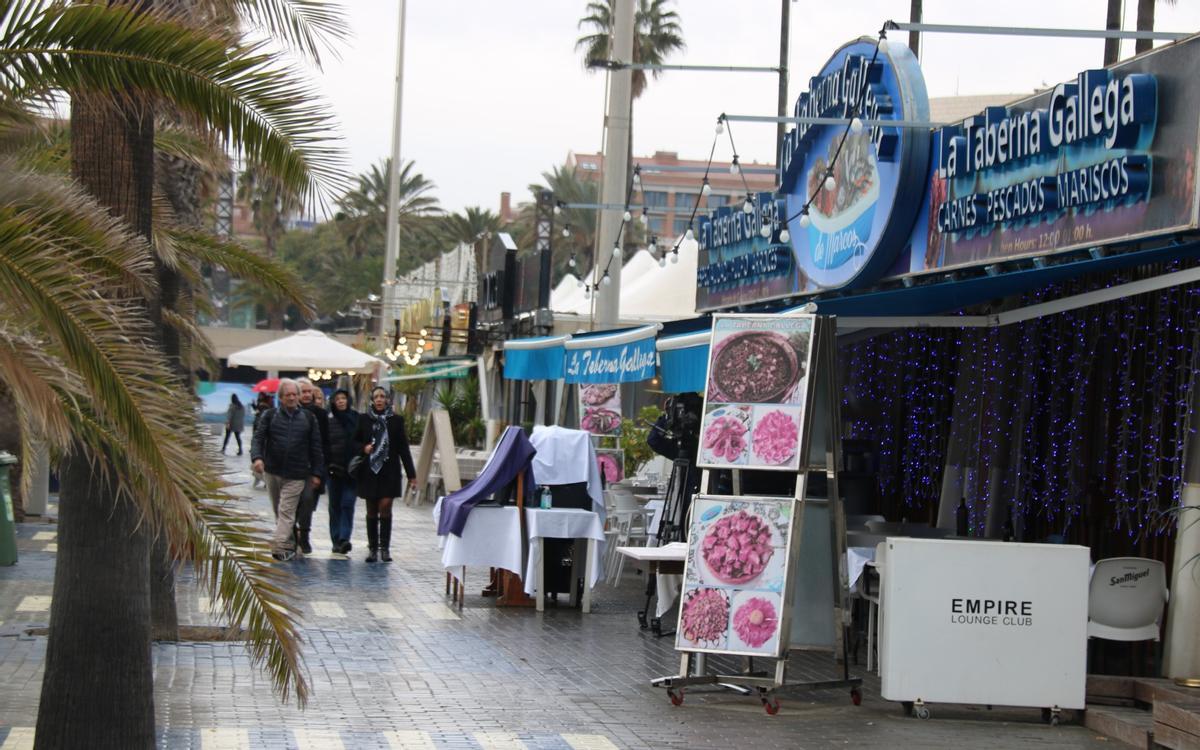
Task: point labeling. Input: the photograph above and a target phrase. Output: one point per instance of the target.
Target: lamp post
(392, 242)
(616, 161)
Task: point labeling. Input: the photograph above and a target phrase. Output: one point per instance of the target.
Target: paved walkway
(392, 665)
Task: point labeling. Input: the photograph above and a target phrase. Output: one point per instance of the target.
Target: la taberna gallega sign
(859, 220)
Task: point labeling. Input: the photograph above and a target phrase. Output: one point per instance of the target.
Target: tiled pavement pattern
(393, 665)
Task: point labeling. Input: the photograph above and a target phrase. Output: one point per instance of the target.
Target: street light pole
(391, 249)
(616, 164)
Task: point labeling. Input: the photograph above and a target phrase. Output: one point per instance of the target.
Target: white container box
(993, 623)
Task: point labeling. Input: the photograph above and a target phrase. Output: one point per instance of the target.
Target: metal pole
(616, 164)
(942, 28)
(391, 249)
(784, 24)
(914, 36)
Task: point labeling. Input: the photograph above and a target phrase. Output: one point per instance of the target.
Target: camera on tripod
(681, 424)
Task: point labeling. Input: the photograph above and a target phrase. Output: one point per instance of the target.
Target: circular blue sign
(866, 187)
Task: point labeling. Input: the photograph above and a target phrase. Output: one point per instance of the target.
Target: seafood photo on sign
(726, 438)
(757, 365)
(600, 408)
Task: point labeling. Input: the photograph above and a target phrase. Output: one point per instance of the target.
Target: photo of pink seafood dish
(755, 618)
(726, 435)
(776, 435)
(598, 394)
(704, 617)
(737, 547)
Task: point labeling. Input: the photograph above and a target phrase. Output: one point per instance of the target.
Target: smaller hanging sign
(623, 362)
(600, 408)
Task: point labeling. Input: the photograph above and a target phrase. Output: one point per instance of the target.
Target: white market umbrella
(304, 350)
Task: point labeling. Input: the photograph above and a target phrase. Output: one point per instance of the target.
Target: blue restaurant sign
(737, 261)
(863, 190)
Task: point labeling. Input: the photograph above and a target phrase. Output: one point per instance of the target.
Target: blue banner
(619, 363)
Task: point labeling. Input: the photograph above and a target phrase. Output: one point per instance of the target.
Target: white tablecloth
(491, 538)
(857, 559)
(561, 523)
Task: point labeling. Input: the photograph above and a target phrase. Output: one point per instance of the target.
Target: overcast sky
(495, 94)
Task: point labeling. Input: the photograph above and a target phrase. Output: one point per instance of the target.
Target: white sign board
(993, 623)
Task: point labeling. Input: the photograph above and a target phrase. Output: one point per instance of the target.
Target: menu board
(735, 576)
(757, 391)
(600, 408)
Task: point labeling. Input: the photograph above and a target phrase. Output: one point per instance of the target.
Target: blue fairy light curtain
(1070, 426)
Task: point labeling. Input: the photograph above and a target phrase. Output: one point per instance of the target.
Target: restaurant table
(562, 523)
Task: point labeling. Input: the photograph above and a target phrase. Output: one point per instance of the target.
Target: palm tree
(362, 212)
(78, 351)
(656, 34)
(469, 225)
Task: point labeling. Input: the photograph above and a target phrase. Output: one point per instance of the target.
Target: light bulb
(733, 167)
(557, 210)
(785, 235)
(830, 183)
(567, 231)
(616, 251)
(705, 189)
(587, 293)
(571, 262)
(424, 333)
(403, 340)
(856, 125)
(882, 44)
(804, 220)
(645, 217)
(637, 177)
(747, 207)
(765, 231)
(675, 257)
(579, 284)
(626, 216)
(606, 280)
(652, 247)
(720, 126)
(662, 262)
(689, 234)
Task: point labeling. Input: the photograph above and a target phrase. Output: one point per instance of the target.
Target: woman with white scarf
(382, 441)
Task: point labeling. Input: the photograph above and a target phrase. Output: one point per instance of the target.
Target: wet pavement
(393, 664)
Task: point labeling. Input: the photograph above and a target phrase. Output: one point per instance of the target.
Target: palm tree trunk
(1113, 18)
(98, 688)
(1145, 22)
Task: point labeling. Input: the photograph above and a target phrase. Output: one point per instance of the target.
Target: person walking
(235, 422)
(343, 425)
(311, 495)
(286, 447)
(382, 441)
(264, 403)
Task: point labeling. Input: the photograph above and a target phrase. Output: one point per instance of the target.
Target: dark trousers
(342, 497)
(237, 435)
(308, 504)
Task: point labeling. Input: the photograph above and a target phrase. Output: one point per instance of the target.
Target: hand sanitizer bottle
(545, 498)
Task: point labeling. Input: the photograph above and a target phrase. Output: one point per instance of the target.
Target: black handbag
(356, 466)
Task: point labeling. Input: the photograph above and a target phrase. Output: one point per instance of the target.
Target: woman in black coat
(382, 442)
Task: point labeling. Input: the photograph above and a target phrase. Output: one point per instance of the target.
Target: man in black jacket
(310, 496)
(287, 448)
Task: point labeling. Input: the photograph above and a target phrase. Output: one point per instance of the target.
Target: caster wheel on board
(921, 712)
(856, 696)
(1051, 716)
(770, 705)
(676, 697)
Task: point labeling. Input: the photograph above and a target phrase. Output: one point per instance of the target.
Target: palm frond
(240, 90)
(307, 26)
(232, 563)
(278, 280)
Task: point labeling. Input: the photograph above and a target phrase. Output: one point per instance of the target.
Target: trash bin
(8, 528)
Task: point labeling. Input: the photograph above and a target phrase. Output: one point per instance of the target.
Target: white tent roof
(647, 291)
(303, 350)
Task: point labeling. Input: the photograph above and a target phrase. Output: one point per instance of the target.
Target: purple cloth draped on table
(513, 455)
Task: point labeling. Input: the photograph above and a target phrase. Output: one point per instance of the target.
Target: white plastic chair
(630, 522)
(1126, 598)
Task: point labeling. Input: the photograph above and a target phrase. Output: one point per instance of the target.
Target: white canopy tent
(304, 350)
(648, 292)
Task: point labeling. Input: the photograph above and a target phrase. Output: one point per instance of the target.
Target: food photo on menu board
(755, 397)
(600, 408)
(735, 576)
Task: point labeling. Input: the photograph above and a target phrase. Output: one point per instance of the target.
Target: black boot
(385, 538)
(305, 544)
(373, 538)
